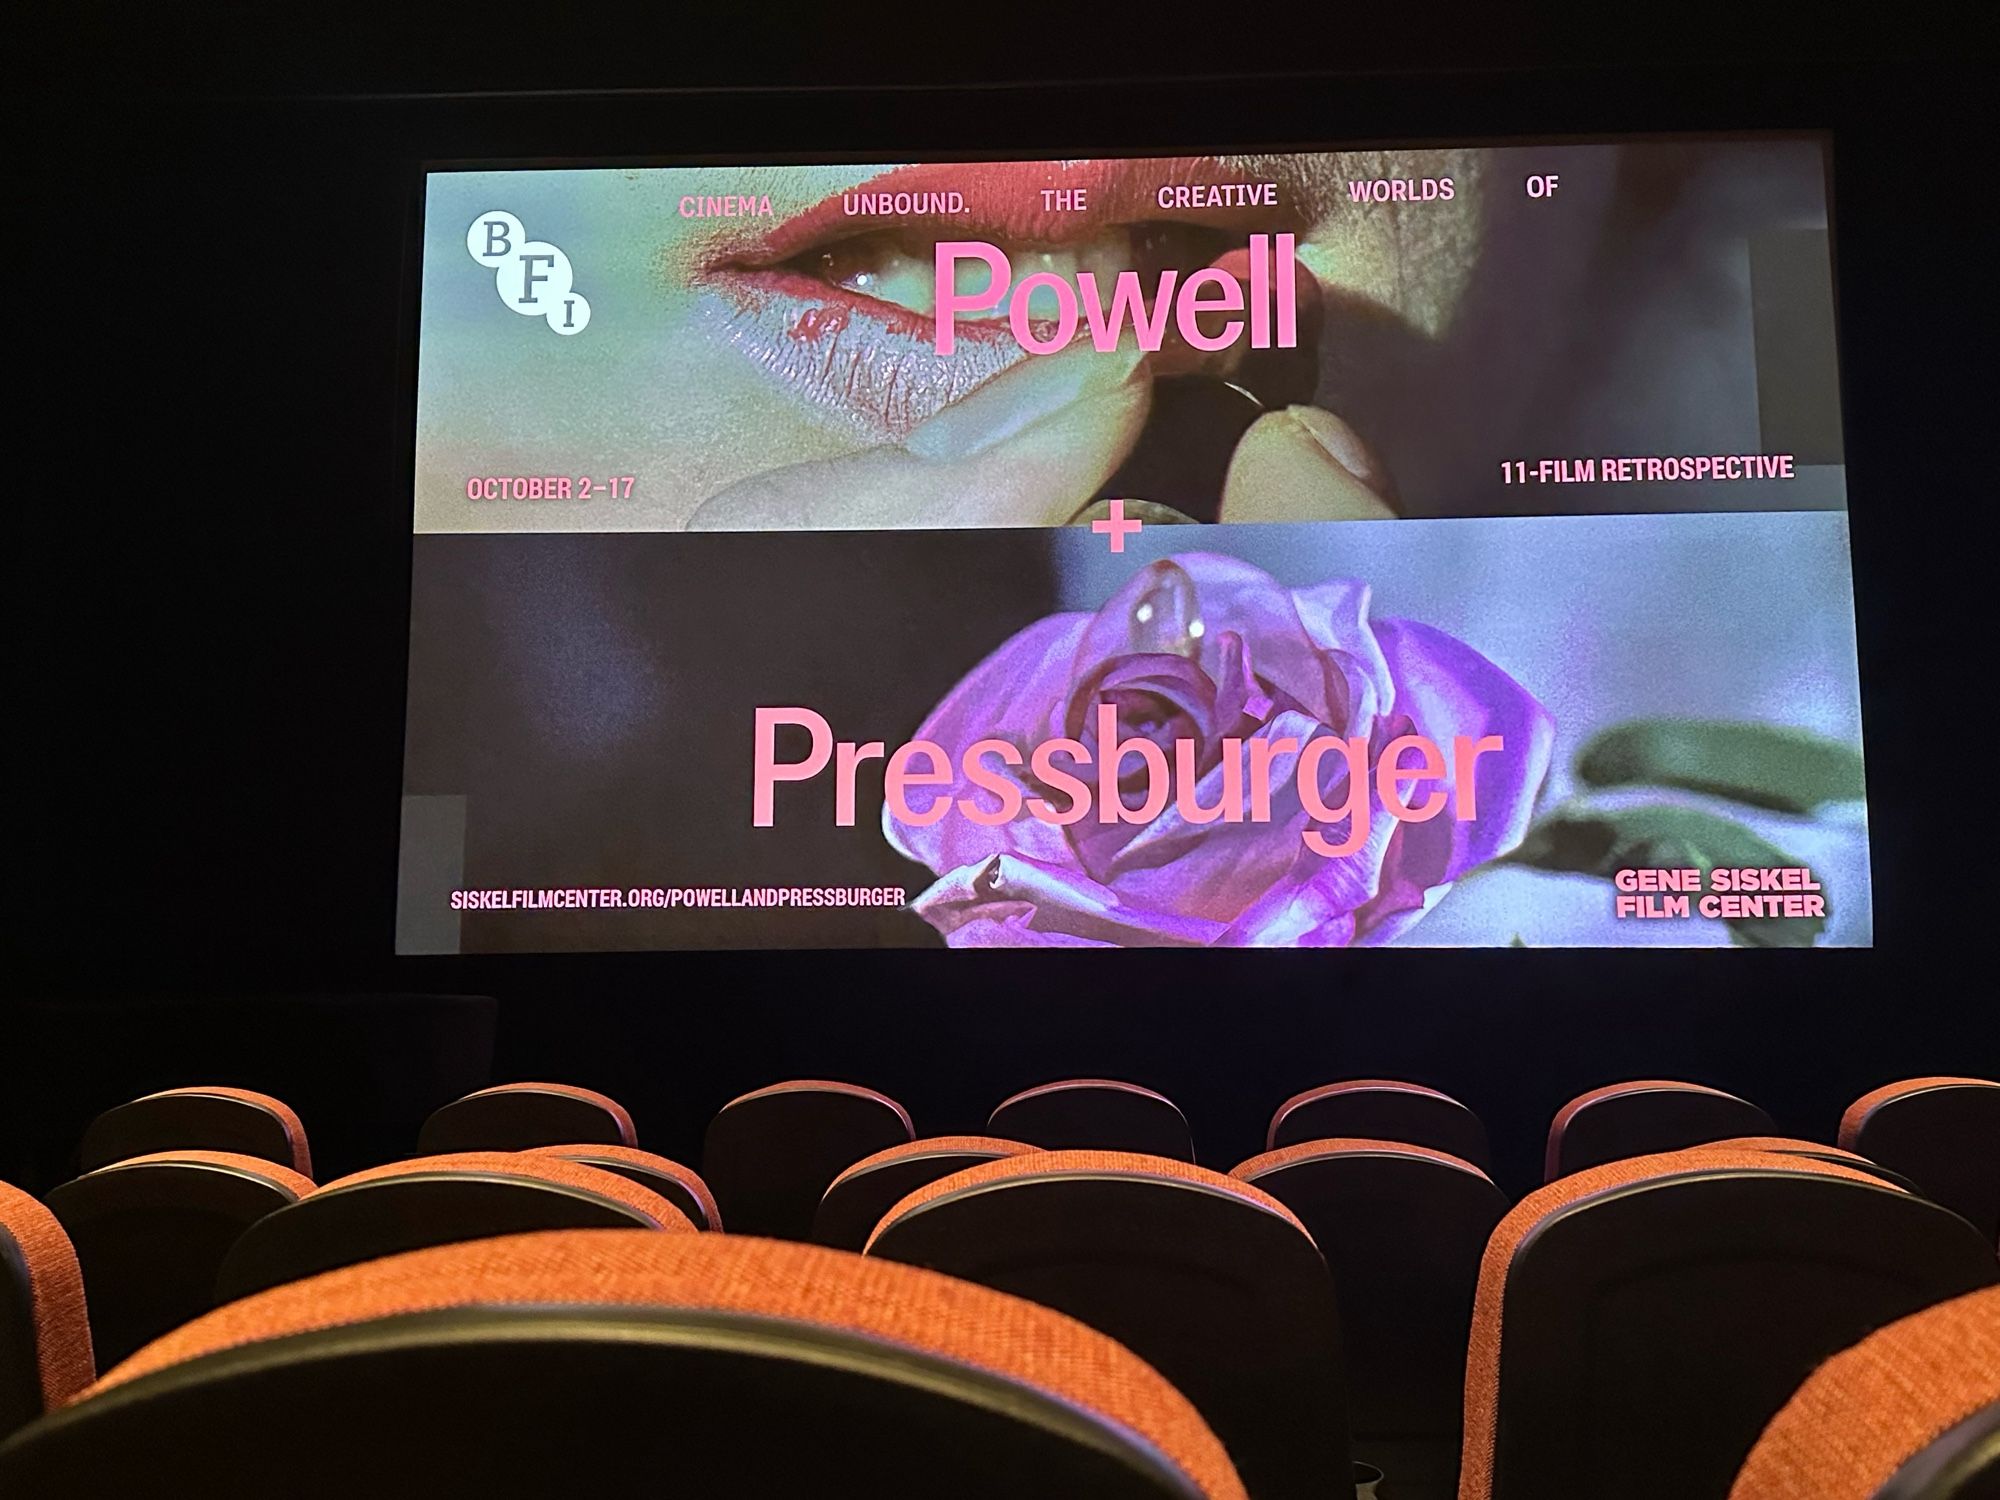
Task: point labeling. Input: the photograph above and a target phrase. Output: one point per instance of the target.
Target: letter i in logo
(532, 277)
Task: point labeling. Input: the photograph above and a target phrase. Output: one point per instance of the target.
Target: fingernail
(1011, 403)
(1344, 446)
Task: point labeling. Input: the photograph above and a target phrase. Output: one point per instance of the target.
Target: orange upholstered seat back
(1869, 1410)
(856, 1200)
(805, 1285)
(679, 1185)
(1037, 1164)
(52, 1361)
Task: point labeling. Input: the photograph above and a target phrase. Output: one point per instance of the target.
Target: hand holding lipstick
(1053, 439)
(1034, 445)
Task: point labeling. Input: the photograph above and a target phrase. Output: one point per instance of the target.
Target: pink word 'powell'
(1269, 308)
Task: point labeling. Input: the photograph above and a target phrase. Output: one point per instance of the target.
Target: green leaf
(1764, 765)
(1601, 842)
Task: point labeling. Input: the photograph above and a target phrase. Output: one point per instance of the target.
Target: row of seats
(1617, 1313)
(163, 1233)
(771, 1153)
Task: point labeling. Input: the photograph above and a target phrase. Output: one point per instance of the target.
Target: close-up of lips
(842, 307)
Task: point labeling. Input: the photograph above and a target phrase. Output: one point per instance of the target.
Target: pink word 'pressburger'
(1270, 307)
(1245, 792)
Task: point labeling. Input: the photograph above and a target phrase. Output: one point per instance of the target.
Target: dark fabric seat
(435, 1200)
(209, 1118)
(1381, 1109)
(1941, 1133)
(153, 1231)
(1638, 1323)
(520, 1116)
(1403, 1229)
(1642, 1119)
(1094, 1114)
(858, 1198)
(1789, 1146)
(1211, 1281)
(770, 1155)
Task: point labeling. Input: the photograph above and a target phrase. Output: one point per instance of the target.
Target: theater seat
(1095, 1114)
(1941, 1133)
(1212, 1282)
(45, 1352)
(435, 1200)
(681, 1186)
(519, 1116)
(152, 1231)
(1402, 1229)
(857, 1199)
(1643, 1118)
(1787, 1146)
(1638, 1323)
(616, 1362)
(208, 1118)
(770, 1155)
(1381, 1109)
(1912, 1412)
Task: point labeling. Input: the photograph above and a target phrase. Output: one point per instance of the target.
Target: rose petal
(1299, 911)
(1237, 696)
(1020, 903)
(1335, 617)
(1450, 691)
(1214, 870)
(1406, 888)
(983, 931)
(1239, 597)
(1174, 679)
(1012, 695)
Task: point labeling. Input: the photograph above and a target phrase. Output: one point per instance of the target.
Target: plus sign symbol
(1116, 526)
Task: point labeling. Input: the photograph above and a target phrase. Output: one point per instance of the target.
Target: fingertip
(1041, 388)
(1345, 447)
(1285, 469)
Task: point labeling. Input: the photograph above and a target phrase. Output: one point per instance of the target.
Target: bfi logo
(532, 277)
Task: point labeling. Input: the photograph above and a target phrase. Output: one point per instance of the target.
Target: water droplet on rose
(1164, 619)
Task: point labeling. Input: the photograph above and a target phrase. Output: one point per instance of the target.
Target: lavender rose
(1204, 648)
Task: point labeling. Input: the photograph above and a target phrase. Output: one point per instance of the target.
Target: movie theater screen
(1427, 547)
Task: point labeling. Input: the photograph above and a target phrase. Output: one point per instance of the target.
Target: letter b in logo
(492, 238)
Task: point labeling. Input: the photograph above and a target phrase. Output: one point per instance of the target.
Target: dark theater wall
(213, 541)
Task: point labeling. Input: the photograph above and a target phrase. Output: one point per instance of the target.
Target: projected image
(1349, 549)
(1534, 731)
(1329, 336)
